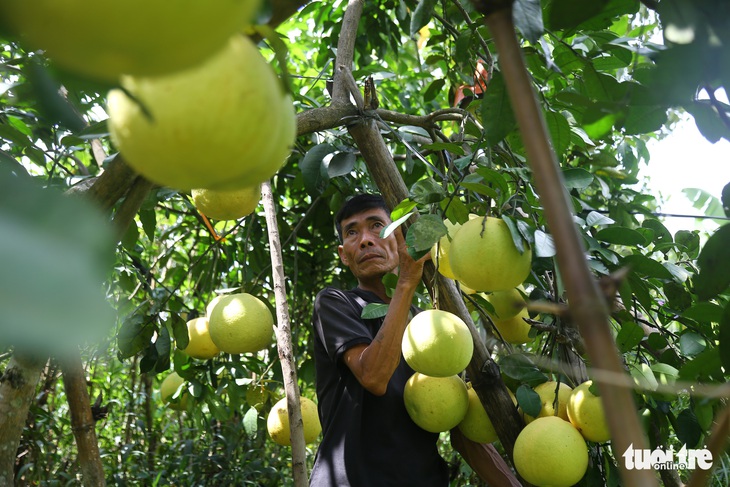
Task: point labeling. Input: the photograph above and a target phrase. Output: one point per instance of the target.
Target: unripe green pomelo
(476, 424)
(227, 204)
(104, 39)
(507, 304)
(585, 412)
(515, 330)
(200, 345)
(241, 323)
(550, 452)
(436, 403)
(437, 343)
(483, 256)
(546, 391)
(224, 124)
(277, 423)
(168, 387)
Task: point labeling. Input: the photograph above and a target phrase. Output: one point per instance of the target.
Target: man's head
(358, 204)
(359, 224)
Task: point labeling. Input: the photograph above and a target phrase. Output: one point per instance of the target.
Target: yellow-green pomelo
(476, 424)
(227, 204)
(440, 250)
(241, 323)
(515, 330)
(437, 343)
(585, 412)
(483, 256)
(546, 391)
(104, 39)
(436, 403)
(506, 304)
(200, 344)
(212, 303)
(224, 124)
(168, 387)
(550, 452)
(277, 423)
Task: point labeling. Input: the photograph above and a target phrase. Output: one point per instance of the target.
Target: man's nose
(366, 241)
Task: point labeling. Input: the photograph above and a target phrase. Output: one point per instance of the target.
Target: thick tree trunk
(82, 421)
(284, 342)
(17, 389)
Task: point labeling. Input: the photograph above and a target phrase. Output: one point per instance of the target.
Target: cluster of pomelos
(195, 104)
(481, 256)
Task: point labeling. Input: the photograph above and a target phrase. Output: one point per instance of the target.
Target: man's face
(362, 250)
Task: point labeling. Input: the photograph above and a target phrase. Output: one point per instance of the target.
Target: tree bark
(284, 342)
(82, 421)
(17, 388)
(588, 307)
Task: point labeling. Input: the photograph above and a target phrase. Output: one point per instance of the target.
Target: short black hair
(358, 204)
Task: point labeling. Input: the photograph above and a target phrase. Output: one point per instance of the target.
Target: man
(368, 438)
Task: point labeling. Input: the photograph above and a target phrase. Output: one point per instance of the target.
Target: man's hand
(409, 270)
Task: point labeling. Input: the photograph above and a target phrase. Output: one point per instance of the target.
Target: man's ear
(343, 255)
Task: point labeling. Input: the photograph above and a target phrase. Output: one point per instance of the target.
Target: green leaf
(621, 236)
(135, 335)
(519, 367)
(577, 178)
(425, 232)
(373, 311)
(148, 218)
(559, 129)
(595, 219)
(433, 90)
(688, 242)
(629, 336)
(250, 422)
(422, 15)
(544, 244)
(704, 312)
(529, 400)
(645, 266)
(527, 16)
(427, 191)
(496, 112)
(179, 330)
(391, 227)
(714, 264)
(341, 164)
(514, 231)
(688, 428)
(313, 168)
(567, 14)
(692, 344)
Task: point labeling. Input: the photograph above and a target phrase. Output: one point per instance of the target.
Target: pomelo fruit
(550, 452)
(168, 387)
(585, 412)
(227, 204)
(476, 424)
(241, 323)
(277, 423)
(436, 403)
(437, 343)
(546, 391)
(483, 256)
(507, 304)
(200, 345)
(104, 39)
(515, 330)
(440, 250)
(224, 124)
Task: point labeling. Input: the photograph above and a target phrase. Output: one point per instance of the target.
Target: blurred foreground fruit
(436, 403)
(483, 256)
(104, 39)
(277, 423)
(241, 323)
(550, 452)
(224, 124)
(437, 343)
